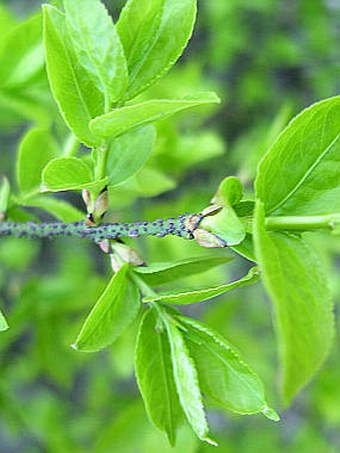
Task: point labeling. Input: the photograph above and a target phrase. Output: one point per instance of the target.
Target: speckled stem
(179, 226)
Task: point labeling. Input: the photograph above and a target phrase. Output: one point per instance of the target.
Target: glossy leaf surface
(78, 98)
(97, 46)
(198, 295)
(300, 174)
(295, 280)
(66, 173)
(159, 273)
(224, 376)
(128, 153)
(154, 34)
(113, 313)
(154, 370)
(121, 120)
(187, 384)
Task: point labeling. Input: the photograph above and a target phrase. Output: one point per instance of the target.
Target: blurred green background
(267, 60)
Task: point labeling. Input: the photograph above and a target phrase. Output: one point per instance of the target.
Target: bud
(229, 192)
(208, 240)
(127, 254)
(104, 246)
(226, 225)
(100, 205)
(86, 197)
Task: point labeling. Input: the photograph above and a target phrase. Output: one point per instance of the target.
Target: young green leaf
(224, 376)
(21, 54)
(187, 385)
(198, 295)
(115, 310)
(295, 280)
(246, 248)
(3, 323)
(154, 371)
(97, 46)
(122, 120)
(160, 273)
(300, 174)
(78, 98)
(35, 150)
(66, 173)
(154, 34)
(128, 153)
(229, 192)
(226, 225)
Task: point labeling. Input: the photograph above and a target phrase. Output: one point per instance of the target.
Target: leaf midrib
(69, 60)
(305, 176)
(166, 384)
(223, 288)
(224, 361)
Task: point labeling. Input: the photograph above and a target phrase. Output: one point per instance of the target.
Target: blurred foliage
(267, 60)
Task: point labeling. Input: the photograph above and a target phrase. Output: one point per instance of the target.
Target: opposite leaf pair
(176, 358)
(94, 66)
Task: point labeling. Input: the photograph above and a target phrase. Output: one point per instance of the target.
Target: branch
(303, 223)
(179, 226)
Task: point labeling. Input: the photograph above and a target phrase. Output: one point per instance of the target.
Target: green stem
(161, 227)
(71, 146)
(181, 226)
(100, 169)
(303, 223)
(144, 287)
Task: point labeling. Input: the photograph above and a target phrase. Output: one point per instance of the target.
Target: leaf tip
(271, 414)
(210, 441)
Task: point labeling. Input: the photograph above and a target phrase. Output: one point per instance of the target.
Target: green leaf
(198, 295)
(300, 174)
(226, 225)
(295, 280)
(160, 273)
(36, 149)
(224, 376)
(3, 323)
(78, 98)
(66, 173)
(229, 192)
(187, 385)
(5, 192)
(246, 248)
(154, 371)
(58, 208)
(21, 54)
(115, 310)
(97, 46)
(154, 34)
(122, 120)
(128, 153)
